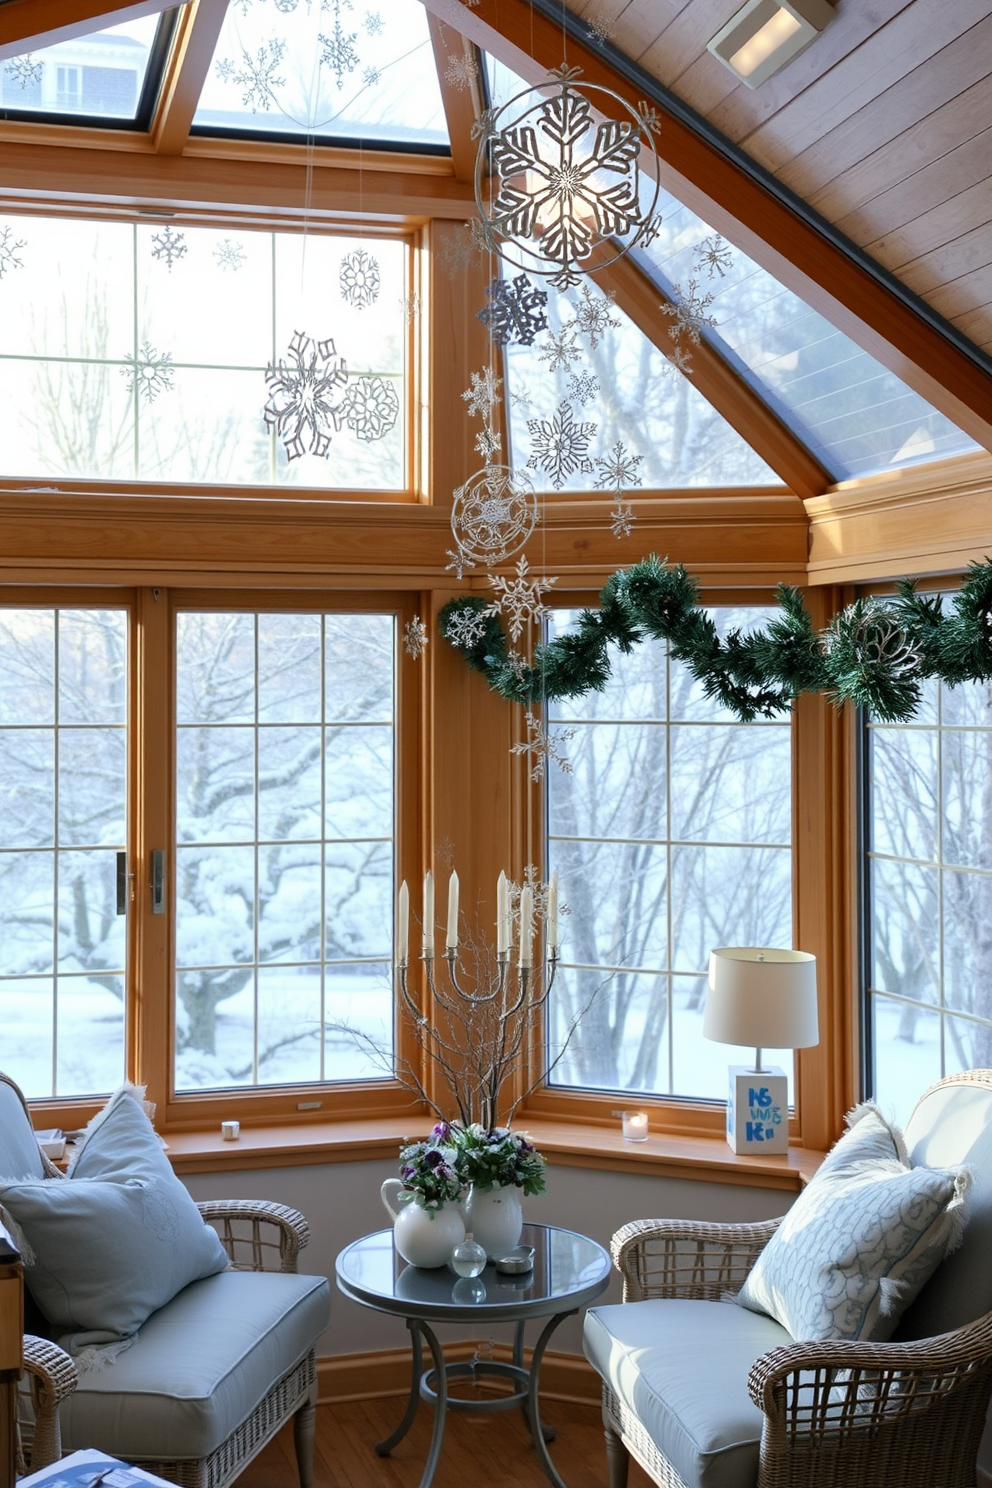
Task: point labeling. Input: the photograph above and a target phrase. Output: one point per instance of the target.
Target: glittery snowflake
(415, 637)
(601, 28)
(148, 373)
(544, 747)
(338, 52)
(359, 279)
(689, 311)
(618, 470)
(482, 396)
(582, 388)
(519, 600)
(520, 397)
(465, 628)
(24, 71)
(169, 246)
(515, 312)
(592, 315)
(461, 72)
(621, 519)
(488, 443)
(229, 254)
(9, 246)
(560, 349)
(371, 76)
(373, 23)
(560, 446)
(539, 896)
(460, 250)
(256, 75)
(493, 515)
(370, 407)
(303, 395)
(714, 255)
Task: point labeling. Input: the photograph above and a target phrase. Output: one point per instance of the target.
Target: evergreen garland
(875, 653)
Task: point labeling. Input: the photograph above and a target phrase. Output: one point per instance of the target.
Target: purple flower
(441, 1132)
(433, 1159)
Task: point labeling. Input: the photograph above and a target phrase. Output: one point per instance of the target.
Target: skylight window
(361, 71)
(101, 78)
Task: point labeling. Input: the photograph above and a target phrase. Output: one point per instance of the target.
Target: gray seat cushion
(198, 1367)
(681, 1367)
(20, 1155)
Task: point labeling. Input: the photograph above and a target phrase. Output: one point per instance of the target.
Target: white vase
(423, 1237)
(495, 1217)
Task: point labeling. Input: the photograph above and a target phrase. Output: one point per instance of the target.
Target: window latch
(158, 881)
(122, 894)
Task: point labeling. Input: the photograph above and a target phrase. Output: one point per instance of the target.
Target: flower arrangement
(499, 1159)
(429, 1170)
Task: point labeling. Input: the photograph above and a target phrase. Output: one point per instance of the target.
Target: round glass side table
(569, 1272)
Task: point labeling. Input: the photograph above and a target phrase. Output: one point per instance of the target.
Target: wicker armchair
(57, 1412)
(832, 1415)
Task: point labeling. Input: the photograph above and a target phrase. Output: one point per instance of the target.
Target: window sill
(569, 1143)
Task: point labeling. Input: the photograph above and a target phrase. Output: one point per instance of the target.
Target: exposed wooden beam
(462, 105)
(27, 24)
(738, 205)
(199, 27)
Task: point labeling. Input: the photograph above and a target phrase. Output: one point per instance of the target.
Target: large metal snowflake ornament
(149, 373)
(556, 181)
(9, 249)
(493, 515)
(306, 402)
(560, 446)
(169, 246)
(519, 600)
(516, 311)
(359, 279)
(544, 747)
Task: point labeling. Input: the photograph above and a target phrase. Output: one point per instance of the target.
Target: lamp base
(758, 1110)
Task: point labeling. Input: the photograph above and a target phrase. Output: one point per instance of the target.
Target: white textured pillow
(861, 1239)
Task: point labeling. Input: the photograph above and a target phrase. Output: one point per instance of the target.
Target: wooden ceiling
(883, 125)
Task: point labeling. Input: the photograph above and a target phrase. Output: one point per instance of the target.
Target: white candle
(635, 1126)
(526, 924)
(553, 912)
(452, 940)
(428, 913)
(502, 917)
(403, 925)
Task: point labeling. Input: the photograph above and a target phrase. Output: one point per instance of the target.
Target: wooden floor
(491, 1451)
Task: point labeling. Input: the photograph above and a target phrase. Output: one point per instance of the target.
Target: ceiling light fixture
(765, 34)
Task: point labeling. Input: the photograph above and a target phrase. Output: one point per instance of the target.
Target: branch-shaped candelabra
(478, 1036)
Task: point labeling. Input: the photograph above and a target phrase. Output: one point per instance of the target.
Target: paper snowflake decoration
(148, 373)
(371, 76)
(582, 388)
(483, 396)
(544, 747)
(493, 515)
(461, 72)
(466, 628)
(370, 407)
(9, 247)
(229, 254)
(460, 251)
(560, 446)
(415, 637)
(256, 76)
(714, 255)
(359, 279)
(169, 246)
(520, 398)
(593, 316)
(338, 50)
(516, 311)
(618, 470)
(560, 349)
(621, 520)
(24, 71)
(688, 309)
(373, 23)
(304, 401)
(519, 600)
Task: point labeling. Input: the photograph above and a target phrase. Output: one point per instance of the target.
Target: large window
(929, 892)
(671, 835)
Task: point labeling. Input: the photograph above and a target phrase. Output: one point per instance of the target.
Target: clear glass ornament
(468, 1258)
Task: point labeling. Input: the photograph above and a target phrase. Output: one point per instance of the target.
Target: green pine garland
(875, 653)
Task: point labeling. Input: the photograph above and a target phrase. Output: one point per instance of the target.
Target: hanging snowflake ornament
(539, 896)
(516, 311)
(560, 446)
(461, 250)
(461, 72)
(482, 395)
(305, 400)
(149, 373)
(493, 515)
(338, 50)
(229, 254)
(519, 600)
(601, 29)
(618, 470)
(373, 23)
(465, 628)
(560, 349)
(415, 637)
(714, 255)
(370, 407)
(582, 388)
(593, 315)
(520, 397)
(621, 520)
(359, 279)
(689, 310)
(371, 76)
(24, 71)
(169, 246)
(256, 75)
(9, 249)
(544, 747)
(559, 178)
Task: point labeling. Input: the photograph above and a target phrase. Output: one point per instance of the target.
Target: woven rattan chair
(820, 1415)
(119, 1409)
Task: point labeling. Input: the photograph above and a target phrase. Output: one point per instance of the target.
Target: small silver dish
(515, 1262)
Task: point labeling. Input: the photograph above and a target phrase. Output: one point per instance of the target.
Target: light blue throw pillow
(860, 1241)
(114, 1242)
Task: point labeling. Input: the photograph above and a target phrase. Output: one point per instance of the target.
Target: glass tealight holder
(468, 1257)
(635, 1126)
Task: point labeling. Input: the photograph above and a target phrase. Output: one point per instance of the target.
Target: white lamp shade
(762, 998)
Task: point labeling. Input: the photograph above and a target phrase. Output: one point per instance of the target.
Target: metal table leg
(384, 1448)
(548, 1432)
(538, 1437)
(440, 1409)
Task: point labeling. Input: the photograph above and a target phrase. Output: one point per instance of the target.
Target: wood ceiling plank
(934, 183)
(976, 324)
(200, 27)
(737, 205)
(966, 61)
(949, 263)
(462, 106)
(963, 294)
(943, 225)
(685, 38)
(910, 40)
(640, 23)
(929, 139)
(28, 24)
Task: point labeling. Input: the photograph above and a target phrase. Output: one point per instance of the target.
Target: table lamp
(766, 998)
